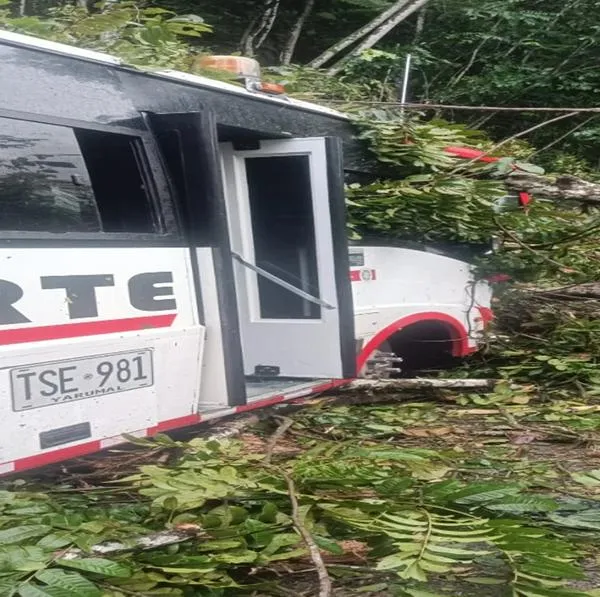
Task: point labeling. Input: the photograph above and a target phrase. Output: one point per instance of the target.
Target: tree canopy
(522, 53)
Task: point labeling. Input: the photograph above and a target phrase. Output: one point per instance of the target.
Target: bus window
(59, 179)
(280, 197)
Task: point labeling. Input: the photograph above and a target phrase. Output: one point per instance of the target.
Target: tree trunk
(587, 290)
(336, 48)
(288, 51)
(378, 34)
(420, 25)
(246, 43)
(259, 28)
(418, 383)
(564, 188)
(268, 25)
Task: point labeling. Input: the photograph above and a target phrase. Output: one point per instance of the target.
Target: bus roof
(186, 78)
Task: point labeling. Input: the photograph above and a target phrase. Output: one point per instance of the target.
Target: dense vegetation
(524, 53)
(468, 513)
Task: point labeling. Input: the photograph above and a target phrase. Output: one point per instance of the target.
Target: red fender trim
(458, 333)
(486, 315)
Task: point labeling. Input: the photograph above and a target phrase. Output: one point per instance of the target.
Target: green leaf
(482, 493)
(531, 168)
(420, 593)
(552, 567)
(372, 588)
(99, 566)
(329, 545)
(523, 504)
(269, 512)
(31, 590)
(455, 551)
(279, 541)
(588, 478)
(393, 561)
(397, 454)
(22, 533)
(72, 582)
(54, 541)
(237, 557)
(586, 520)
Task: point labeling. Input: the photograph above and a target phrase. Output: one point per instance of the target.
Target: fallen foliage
(407, 499)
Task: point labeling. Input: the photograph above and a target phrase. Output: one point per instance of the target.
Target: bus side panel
(95, 362)
(391, 284)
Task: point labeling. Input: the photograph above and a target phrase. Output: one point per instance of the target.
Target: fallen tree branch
(563, 136)
(279, 433)
(233, 427)
(417, 383)
(518, 135)
(587, 290)
(179, 534)
(313, 549)
(565, 187)
(334, 50)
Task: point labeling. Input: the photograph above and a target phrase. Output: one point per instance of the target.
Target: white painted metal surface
(393, 287)
(171, 333)
(390, 287)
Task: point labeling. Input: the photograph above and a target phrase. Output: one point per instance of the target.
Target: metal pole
(405, 82)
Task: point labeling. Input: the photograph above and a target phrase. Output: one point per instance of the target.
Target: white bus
(173, 249)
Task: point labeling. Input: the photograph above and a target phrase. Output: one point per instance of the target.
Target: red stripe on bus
(260, 403)
(174, 424)
(22, 464)
(87, 328)
(54, 456)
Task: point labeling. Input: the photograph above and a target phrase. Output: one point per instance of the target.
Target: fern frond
(522, 504)
(424, 542)
(477, 494)
(340, 474)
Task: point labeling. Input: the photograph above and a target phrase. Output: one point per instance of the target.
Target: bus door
(286, 217)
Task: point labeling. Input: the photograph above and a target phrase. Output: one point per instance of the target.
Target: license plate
(45, 384)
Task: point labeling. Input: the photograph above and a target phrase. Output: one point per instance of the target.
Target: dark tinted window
(284, 234)
(59, 179)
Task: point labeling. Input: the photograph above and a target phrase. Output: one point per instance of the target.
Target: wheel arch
(459, 336)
